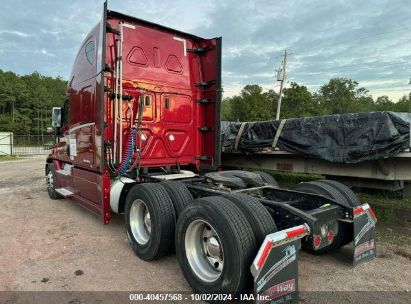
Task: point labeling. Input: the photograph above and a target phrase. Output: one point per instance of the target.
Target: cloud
(367, 41)
(47, 53)
(17, 33)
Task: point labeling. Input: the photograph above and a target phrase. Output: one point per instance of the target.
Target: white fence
(6, 143)
(24, 144)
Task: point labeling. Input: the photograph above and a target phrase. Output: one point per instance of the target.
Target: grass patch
(389, 207)
(394, 234)
(8, 157)
(287, 179)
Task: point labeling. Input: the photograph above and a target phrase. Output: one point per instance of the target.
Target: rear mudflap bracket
(364, 222)
(275, 268)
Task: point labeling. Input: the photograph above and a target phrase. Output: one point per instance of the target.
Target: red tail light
(317, 241)
(330, 235)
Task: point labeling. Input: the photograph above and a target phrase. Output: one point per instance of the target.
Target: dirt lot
(44, 242)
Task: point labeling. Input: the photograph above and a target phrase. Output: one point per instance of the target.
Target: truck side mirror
(56, 117)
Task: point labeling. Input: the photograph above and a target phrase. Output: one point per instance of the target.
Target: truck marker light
(317, 241)
(330, 235)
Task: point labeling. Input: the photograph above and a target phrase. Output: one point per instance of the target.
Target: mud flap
(275, 268)
(364, 221)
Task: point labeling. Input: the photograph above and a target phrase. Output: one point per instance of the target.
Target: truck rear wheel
(352, 199)
(215, 246)
(257, 215)
(149, 221)
(51, 182)
(179, 194)
(267, 178)
(335, 193)
(324, 189)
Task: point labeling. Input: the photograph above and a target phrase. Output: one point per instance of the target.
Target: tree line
(26, 101)
(339, 95)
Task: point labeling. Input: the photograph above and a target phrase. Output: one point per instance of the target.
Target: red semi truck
(139, 135)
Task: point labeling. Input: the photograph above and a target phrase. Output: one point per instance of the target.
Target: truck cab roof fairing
(153, 25)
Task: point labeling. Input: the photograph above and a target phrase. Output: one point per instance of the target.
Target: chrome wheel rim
(204, 251)
(140, 222)
(50, 180)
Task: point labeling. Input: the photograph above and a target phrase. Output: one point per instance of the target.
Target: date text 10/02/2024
(196, 297)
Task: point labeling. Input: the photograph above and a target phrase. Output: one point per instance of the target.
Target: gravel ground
(51, 245)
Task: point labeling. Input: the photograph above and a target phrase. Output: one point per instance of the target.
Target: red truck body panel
(156, 62)
(177, 76)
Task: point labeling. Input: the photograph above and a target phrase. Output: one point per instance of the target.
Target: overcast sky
(368, 41)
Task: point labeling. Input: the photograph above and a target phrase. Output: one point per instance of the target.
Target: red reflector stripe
(358, 210)
(296, 232)
(264, 255)
(372, 213)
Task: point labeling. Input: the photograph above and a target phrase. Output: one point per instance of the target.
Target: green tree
(384, 103)
(298, 102)
(342, 95)
(404, 104)
(252, 104)
(26, 101)
(226, 108)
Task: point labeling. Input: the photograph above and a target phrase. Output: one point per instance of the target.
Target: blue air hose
(129, 153)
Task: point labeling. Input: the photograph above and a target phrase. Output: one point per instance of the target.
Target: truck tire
(51, 182)
(267, 178)
(149, 221)
(328, 191)
(257, 215)
(179, 194)
(350, 196)
(215, 246)
(344, 233)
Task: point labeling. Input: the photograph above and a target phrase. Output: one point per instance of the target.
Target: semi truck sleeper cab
(139, 135)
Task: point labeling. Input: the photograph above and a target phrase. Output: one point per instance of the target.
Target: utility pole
(281, 78)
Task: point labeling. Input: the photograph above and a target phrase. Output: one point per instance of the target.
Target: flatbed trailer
(139, 135)
(393, 173)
